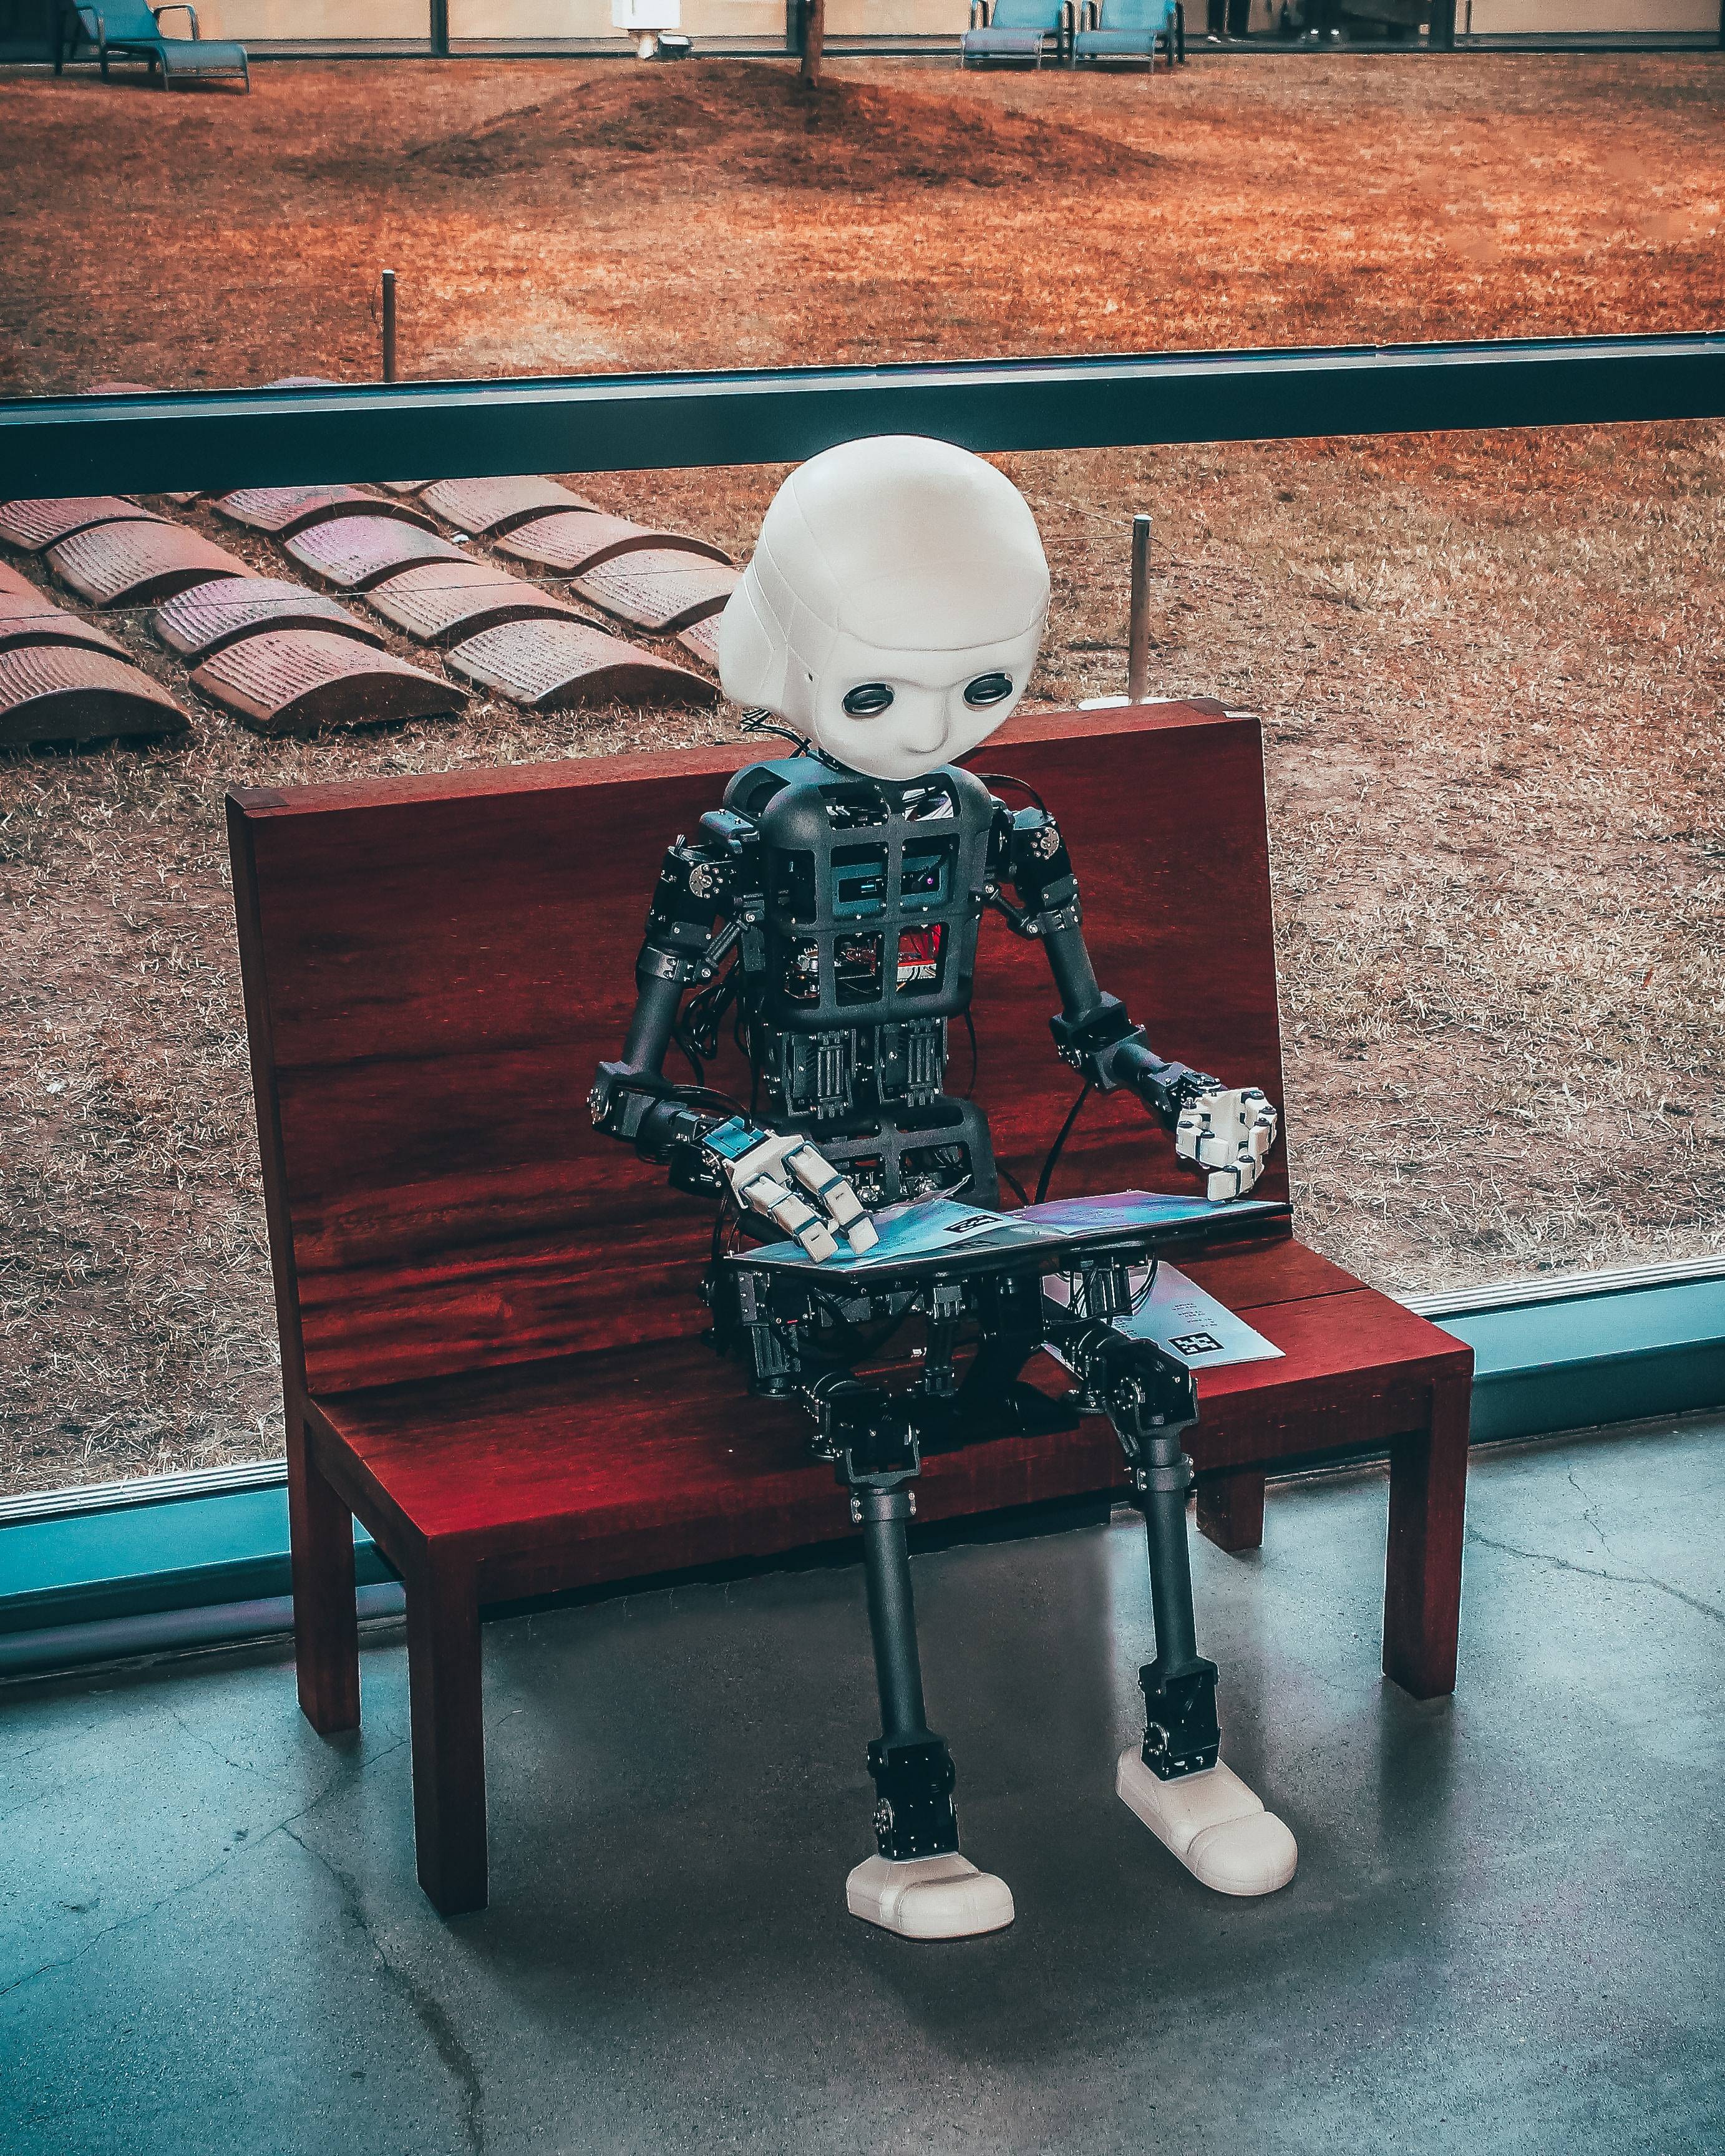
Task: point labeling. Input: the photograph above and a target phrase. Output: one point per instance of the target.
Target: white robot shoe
(1212, 1823)
(929, 1898)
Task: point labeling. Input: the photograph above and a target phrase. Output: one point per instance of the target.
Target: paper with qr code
(1179, 1315)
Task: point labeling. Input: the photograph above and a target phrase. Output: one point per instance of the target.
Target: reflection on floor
(1504, 1934)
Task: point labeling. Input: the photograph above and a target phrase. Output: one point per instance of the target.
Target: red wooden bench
(489, 1317)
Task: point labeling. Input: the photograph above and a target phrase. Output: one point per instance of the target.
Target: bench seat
(1005, 44)
(582, 1469)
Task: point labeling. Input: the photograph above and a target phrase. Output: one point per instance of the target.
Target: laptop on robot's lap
(940, 1236)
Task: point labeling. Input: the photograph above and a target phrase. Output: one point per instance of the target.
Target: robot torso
(871, 894)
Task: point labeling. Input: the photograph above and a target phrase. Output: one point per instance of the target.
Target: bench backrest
(433, 967)
(129, 25)
(1154, 17)
(1026, 15)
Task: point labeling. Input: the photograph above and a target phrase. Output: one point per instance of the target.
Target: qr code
(1196, 1343)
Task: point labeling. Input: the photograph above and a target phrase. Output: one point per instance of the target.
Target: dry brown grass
(546, 216)
(1491, 670)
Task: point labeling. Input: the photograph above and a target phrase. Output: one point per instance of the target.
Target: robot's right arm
(710, 1149)
(632, 1099)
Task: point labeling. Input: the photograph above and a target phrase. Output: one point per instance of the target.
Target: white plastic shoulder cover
(895, 605)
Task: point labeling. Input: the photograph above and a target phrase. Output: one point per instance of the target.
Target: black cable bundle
(1055, 1149)
(698, 1028)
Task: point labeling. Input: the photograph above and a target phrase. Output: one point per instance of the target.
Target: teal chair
(126, 31)
(1131, 30)
(1015, 30)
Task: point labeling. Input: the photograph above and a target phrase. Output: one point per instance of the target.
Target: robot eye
(988, 689)
(868, 701)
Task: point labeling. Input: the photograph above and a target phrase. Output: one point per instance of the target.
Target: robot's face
(898, 714)
(893, 608)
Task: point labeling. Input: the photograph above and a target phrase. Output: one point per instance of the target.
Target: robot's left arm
(1226, 1130)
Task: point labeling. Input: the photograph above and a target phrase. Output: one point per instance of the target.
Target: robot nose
(923, 727)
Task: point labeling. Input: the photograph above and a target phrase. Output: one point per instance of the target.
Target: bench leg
(448, 1742)
(1422, 1596)
(1230, 1509)
(325, 1623)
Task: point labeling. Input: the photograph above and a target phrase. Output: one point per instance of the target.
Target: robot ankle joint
(1181, 1736)
(914, 1812)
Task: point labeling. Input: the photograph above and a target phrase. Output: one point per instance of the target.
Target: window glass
(594, 214)
(1488, 667)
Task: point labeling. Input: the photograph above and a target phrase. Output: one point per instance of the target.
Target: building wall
(27, 22)
(897, 18)
(541, 21)
(323, 20)
(546, 19)
(1510, 19)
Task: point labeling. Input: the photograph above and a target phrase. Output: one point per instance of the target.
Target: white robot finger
(763, 1157)
(834, 1192)
(793, 1213)
(1243, 1173)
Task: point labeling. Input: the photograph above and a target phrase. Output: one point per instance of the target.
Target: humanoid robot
(828, 911)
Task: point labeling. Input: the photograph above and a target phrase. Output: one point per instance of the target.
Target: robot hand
(793, 1184)
(1229, 1133)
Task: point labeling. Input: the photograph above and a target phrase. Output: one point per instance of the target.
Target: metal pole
(1138, 649)
(389, 325)
(440, 29)
(892, 1613)
(1170, 1563)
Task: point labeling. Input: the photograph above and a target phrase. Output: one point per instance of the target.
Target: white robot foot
(1212, 1823)
(929, 1898)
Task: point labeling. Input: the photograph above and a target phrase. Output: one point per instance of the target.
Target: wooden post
(815, 37)
(1138, 647)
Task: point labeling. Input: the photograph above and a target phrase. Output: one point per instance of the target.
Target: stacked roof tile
(285, 657)
(64, 680)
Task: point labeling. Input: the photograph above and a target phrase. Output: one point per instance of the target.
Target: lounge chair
(127, 31)
(1131, 30)
(1015, 30)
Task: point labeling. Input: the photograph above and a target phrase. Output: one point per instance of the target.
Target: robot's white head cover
(894, 607)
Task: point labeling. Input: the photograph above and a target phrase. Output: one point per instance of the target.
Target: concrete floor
(1506, 1933)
